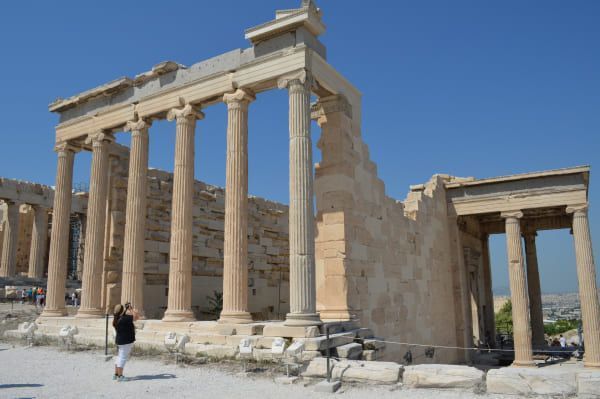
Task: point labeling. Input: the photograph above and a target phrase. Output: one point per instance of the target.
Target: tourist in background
(124, 316)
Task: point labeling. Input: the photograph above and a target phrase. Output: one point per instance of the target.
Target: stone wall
(24, 245)
(267, 245)
(383, 262)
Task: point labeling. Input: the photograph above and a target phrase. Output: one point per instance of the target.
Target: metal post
(106, 337)
(328, 353)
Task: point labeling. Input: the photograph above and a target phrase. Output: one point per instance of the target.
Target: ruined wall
(24, 245)
(267, 250)
(381, 261)
(268, 256)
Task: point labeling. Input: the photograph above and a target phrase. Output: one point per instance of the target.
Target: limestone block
(307, 356)
(208, 339)
(280, 330)
(442, 376)
(356, 370)
(588, 384)
(373, 344)
(320, 343)
(531, 381)
(349, 351)
(371, 354)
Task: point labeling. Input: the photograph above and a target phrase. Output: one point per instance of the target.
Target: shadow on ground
(7, 386)
(152, 377)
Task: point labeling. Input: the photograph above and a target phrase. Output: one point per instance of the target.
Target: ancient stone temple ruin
(414, 271)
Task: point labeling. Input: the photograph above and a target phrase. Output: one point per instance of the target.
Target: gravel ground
(49, 372)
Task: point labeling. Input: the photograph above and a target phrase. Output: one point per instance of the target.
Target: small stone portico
(519, 206)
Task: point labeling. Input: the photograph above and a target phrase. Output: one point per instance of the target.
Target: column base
(54, 312)
(235, 318)
(590, 365)
(336, 315)
(179, 315)
(302, 319)
(89, 313)
(523, 363)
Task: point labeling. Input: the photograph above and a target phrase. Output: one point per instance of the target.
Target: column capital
(329, 105)
(63, 147)
(578, 209)
(238, 97)
(39, 208)
(295, 79)
(99, 138)
(188, 111)
(511, 215)
(137, 126)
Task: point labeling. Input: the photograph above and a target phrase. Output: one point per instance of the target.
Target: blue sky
(469, 88)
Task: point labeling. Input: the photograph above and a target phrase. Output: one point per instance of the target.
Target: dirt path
(49, 372)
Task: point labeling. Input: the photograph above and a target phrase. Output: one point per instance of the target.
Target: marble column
(59, 234)
(91, 285)
(301, 211)
(8, 262)
(489, 317)
(518, 290)
(535, 291)
(588, 289)
(179, 307)
(135, 216)
(235, 265)
(39, 238)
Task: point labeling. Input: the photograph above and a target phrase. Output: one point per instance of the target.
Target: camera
(127, 306)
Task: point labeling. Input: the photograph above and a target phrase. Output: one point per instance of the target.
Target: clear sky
(468, 88)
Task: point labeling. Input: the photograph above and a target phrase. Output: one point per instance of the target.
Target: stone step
(320, 343)
(356, 370)
(443, 376)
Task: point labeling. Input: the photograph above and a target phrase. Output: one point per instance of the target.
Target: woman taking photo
(124, 316)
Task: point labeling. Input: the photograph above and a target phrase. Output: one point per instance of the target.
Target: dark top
(125, 330)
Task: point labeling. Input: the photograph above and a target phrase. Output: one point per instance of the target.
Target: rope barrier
(458, 347)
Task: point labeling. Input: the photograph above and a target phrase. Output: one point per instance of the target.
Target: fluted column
(179, 306)
(8, 262)
(39, 238)
(518, 290)
(490, 320)
(235, 265)
(588, 290)
(301, 222)
(59, 234)
(535, 291)
(91, 285)
(135, 216)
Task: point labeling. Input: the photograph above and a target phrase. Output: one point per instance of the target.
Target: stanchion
(328, 353)
(106, 356)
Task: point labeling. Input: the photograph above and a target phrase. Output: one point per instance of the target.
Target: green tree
(504, 322)
(561, 326)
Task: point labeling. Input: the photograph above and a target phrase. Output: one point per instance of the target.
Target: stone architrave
(518, 290)
(8, 262)
(235, 265)
(535, 292)
(39, 238)
(59, 234)
(588, 289)
(91, 286)
(179, 307)
(301, 211)
(133, 256)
